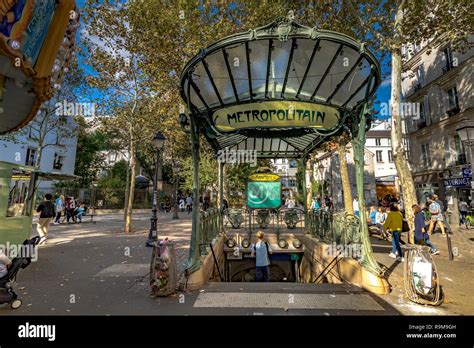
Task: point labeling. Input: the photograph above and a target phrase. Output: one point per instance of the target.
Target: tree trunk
(127, 184)
(175, 200)
(130, 190)
(401, 163)
(346, 185)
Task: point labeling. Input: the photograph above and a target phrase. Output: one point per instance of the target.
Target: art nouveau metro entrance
(281, 90)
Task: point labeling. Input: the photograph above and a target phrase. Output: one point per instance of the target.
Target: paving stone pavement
(95, 269)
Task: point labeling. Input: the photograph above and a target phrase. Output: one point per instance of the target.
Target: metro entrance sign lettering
(458, 182)
(276, 114)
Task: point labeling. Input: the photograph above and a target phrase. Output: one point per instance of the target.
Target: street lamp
(158, 142)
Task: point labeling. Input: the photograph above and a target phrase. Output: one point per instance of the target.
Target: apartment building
(439, 81)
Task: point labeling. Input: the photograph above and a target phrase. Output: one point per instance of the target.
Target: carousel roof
(236, 87)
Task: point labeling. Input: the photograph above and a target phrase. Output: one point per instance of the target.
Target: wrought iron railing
(209, 228)
(339, 228)
(276, 220)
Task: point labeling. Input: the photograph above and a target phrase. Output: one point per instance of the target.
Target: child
(421, 236)
(5, 263)
(80, 212)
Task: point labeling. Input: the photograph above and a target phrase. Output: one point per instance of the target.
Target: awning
(280, 89)
(426, 178)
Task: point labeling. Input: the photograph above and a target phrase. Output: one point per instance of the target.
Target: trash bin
(163, 269)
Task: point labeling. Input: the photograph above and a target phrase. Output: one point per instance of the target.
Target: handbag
(405, 226)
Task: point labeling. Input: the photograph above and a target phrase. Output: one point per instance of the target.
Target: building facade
(286, 169)
(58, 154)
(327, 172)
(439, 82)
(378, 141)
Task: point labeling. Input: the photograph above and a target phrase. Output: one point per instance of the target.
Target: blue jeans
(262, 273)
(427, 242)
(396, 243)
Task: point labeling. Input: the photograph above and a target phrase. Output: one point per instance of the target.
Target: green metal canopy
(279, 89)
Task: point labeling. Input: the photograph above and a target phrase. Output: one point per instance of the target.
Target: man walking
(463, 208)
(355, 205)
(189, 204)
(46, 210)
(436, 211)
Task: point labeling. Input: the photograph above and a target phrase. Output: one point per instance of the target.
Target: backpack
(48, 210)
(266, 247)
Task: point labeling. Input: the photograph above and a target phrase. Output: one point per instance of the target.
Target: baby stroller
(7, 295)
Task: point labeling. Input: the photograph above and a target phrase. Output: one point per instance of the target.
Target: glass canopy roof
(283, 61)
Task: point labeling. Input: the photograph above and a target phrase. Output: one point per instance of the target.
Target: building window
(448, 158)
(377, 141)
(420, 77)
(379, 156)
(453, 102)
(30, 133)
(58, 161)
(30, 157)
(389, 141)
(390, 156)
(460, 151)
(426, 155)
(448, 58)
(422, 112)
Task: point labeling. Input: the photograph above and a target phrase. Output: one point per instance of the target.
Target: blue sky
(382, 94)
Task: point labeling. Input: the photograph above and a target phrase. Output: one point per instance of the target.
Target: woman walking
(59, 208)
(394, 224)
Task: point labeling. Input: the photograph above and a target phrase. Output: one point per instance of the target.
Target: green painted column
(194, 259)
(305, 203)
(368, 259)
(221, 193)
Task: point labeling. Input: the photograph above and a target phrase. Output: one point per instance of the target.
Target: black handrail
(216, 263)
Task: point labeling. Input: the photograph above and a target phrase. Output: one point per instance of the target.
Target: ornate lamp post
(321, 176)
(158, 142)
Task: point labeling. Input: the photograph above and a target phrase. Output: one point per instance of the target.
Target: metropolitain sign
(276, 114)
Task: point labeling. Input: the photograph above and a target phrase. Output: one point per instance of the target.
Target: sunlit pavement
(456, 276)
(95, 269)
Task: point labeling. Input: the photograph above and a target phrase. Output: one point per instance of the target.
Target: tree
(393, 24)
(339, 144)
(89, 158)
(112, 51)
(207, 172)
